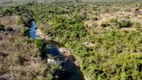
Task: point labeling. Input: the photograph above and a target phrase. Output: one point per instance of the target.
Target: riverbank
(62, 49)
(43, 36)
(71, 69)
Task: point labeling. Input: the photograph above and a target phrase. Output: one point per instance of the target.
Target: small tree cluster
(124, 24)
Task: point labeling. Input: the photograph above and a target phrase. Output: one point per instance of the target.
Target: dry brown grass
(119, 15)
(17, 54)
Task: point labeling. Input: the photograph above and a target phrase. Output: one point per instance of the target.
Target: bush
(124, 23)
(94, 8)
(137, 25)
(94, 18)
(112, 20)
(1, 27)
(127, 17)
(24, 31)
(19, 21)
(6, 11)
(128, 10)
(39, 43)
(7, 28)
(105, 24)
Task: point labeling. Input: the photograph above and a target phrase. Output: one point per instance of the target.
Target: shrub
(128, 10)
(94, 8)
(7, 28)
(127, 17)
(1, 27)
(94, 18)
(6, 11)
(112, 20)
(124, 23)
(39, 43)
(137, 25)
(19, 21)
(105, 24)
(24, 31)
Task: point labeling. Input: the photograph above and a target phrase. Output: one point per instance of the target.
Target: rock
(88, 44)
(63, 50)
(51, 61)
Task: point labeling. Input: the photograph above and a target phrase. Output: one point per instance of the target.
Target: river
(71, 70)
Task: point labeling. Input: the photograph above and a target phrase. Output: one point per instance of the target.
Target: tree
(1, 27)
(7, 28)
(124, 23)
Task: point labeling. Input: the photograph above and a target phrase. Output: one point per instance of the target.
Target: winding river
(70, 70)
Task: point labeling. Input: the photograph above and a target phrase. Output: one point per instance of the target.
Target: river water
(71, 71)
(33, 31)
(53, 49)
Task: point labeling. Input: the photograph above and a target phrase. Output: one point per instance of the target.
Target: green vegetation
(105, 24)
(108, 58)
(1, 28)
(105, 37)
(39, 43)
(113, 20)
(5, 28)
(124, 23)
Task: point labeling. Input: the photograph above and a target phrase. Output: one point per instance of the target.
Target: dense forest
(104, 37)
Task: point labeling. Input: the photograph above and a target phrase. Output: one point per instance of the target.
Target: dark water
(71, 71)
(53, 50)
